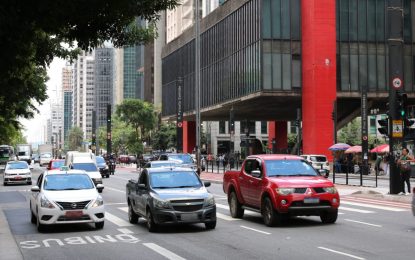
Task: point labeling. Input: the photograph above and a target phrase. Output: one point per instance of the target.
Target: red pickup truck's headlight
(285, 191)
(331, 190)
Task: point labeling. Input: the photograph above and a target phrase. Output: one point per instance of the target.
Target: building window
(264, 125)
(222, 128)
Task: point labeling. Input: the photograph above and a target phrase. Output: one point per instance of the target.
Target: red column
(189, 136)
(318, 27)
(278, 130)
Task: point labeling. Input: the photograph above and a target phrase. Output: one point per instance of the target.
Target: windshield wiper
(187, 186)
(71, 189)
(162, 187)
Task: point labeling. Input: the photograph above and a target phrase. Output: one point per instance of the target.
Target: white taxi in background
(66, 197)
(17, 172)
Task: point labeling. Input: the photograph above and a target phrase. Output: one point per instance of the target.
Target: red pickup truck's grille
(300, 190)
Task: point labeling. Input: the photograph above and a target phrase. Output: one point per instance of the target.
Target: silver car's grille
(73, 205)
(187, 205)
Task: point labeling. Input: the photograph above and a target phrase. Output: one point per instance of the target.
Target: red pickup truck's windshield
(289, 168)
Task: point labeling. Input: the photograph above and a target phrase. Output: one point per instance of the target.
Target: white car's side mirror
(35, 189)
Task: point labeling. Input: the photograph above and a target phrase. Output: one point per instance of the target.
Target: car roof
(58, 171)
(16, 162)
(275, 157)
(169, 169)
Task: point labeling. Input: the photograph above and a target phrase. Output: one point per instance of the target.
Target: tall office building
(83, 92)
(179, 19)
(67, 96)
(57, 124)
(104, 81)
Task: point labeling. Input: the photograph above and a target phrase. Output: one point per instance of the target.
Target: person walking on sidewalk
(405, 169)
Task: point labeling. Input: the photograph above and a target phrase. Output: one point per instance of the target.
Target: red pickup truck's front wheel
(269, 215)
(235, 207)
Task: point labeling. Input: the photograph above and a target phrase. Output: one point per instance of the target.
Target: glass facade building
(258, 48)
(104, 83)
(67, 113)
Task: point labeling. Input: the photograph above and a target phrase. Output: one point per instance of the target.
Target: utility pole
(94, 132)
(179, 111)
(109, 143)
(197, 82)
(395, 84)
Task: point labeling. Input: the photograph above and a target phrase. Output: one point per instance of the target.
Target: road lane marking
(117, 221)
(109, 188)
(125, 231)
(379, 202)
(364, 223)
(372, 206)
(256, 230)
(226, 217)
(247, 212)
(340, 253)
(125, 209)
(220, 196)
(115, 203)
(162, 251)
(356, 210)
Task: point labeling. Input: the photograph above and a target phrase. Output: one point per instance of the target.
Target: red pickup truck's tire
(329, 217)
(235, 207)
(132, 216)
(270, 216)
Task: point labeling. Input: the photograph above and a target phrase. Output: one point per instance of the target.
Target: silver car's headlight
(210, 201)
(161, 204)
(285, 191)
(45, 203)
(98, 202)
(331, 190)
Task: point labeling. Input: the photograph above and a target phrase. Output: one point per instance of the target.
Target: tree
(32, 33)
(351, 133)
(75, 138)
(120, 135)
(165, 137)
(139, 115)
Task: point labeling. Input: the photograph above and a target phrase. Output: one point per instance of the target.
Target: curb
(8, 246)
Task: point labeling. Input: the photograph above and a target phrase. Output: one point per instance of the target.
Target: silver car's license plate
(311, 200)
(189, 217)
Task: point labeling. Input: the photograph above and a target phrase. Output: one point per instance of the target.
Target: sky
(35, 127)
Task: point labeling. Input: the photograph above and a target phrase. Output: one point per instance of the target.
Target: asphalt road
(364, 230)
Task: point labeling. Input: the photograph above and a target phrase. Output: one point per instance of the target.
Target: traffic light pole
(109, 143)
(395, 84)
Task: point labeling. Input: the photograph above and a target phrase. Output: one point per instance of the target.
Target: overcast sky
(34, 128)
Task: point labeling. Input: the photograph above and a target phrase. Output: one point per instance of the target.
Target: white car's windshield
(289, 168)
(17, 166)
(68, 182)
(88, 167)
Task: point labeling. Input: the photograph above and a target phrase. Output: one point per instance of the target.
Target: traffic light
(384, 126)
(401, 104)
(231, 122)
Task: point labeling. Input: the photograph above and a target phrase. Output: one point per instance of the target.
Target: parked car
(145, 158)
(166, 196)
(319, 162)
(102, 166)
(132, 159)
(45, 158)
(123, 159)
(55, 164)
(280, 186)
(17, 172)
(66, 197)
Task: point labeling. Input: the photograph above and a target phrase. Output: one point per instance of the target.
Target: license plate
(17, 177)
(189, 217)
(73, 214)
(311, 200)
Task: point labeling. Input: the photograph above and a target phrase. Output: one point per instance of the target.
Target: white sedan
(66, 197)
(17, 172)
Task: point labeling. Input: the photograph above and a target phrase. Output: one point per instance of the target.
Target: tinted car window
(67, 182)
(289, 168)
(163, 180)
(89, 167)
(318, 158)
(185, 158)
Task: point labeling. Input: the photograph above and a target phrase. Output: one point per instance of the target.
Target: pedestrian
(405, 170)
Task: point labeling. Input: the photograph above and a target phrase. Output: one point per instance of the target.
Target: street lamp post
(197, 82)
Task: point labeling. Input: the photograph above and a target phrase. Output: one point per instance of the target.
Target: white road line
(109, 188)
(125, 209)
(356, 210)
(372, 206)
(340, 253)
(117, 221)
(247, 212)
(125, 231)
(221, 206)
(379, 202)
(364, 223)
(226, 217)
(219, 196)
(162, 251)
(256, 230)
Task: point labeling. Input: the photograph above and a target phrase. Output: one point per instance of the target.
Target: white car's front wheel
(40, 227)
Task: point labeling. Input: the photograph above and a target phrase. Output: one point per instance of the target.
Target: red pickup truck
(280, 186)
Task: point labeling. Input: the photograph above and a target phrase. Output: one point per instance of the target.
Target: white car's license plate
(73, 214)
(189, 217)
(311, 200)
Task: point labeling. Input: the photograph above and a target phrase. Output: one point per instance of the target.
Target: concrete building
(83, 92)
(56, 127)
(179, 19)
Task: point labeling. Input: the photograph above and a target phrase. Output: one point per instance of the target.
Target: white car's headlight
(45, 203)
(285, 191)
(98, 202)
(210, 201)
(331, 190)
(161, 204)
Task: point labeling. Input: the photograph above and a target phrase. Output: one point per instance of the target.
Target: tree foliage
(165, 137)
(351, 133)
(32, 33)
(75, 138)
(120, 134)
